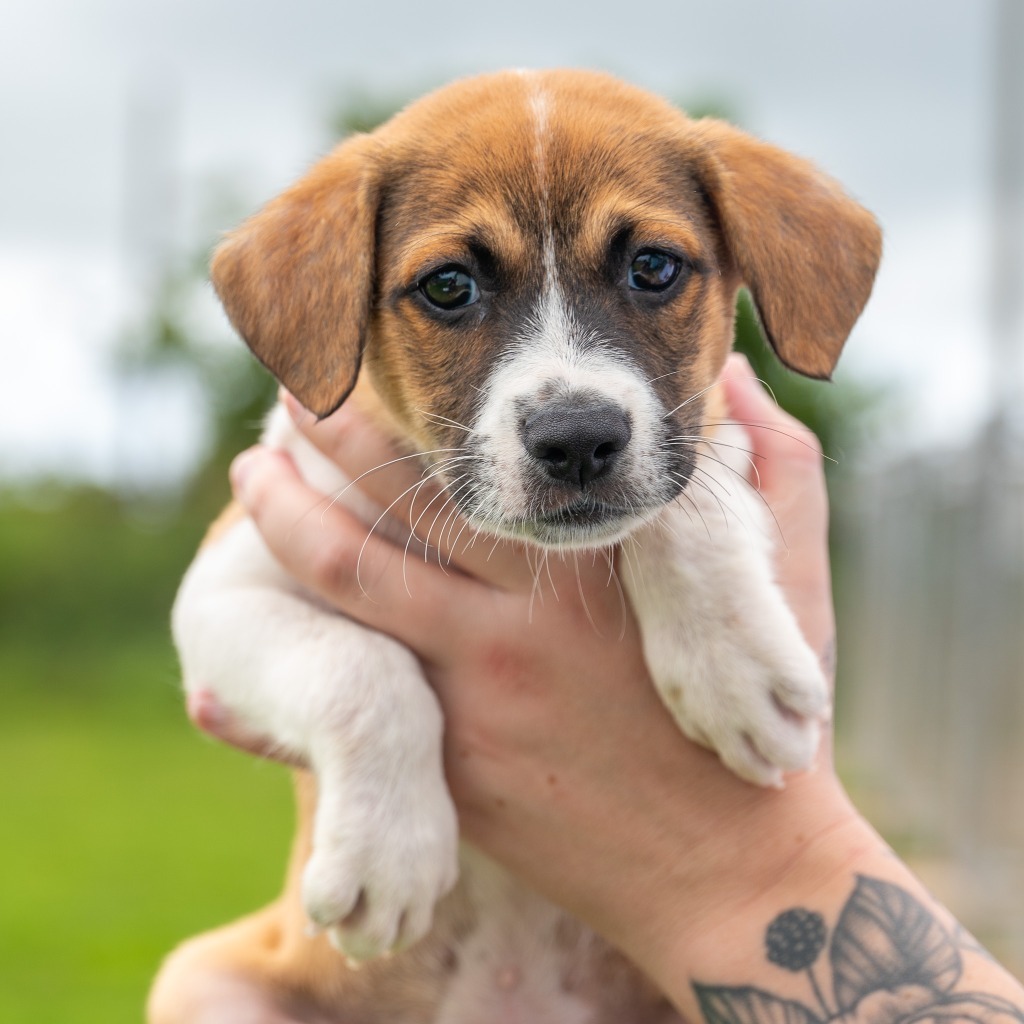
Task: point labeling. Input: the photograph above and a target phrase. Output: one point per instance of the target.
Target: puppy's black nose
(576, 442)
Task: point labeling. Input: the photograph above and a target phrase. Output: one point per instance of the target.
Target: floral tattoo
(890, 960)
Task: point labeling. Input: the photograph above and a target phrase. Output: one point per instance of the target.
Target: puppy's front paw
(762, 710)
(377, 871)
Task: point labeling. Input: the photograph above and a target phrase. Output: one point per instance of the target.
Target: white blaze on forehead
(551, 329)
(539, 102)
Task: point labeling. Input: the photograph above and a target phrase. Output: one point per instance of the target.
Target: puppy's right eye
(450, 288)
(653, 270)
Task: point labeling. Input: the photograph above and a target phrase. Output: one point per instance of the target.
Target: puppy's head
(537, 271)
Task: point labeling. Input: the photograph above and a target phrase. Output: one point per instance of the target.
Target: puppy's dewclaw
(530, 277)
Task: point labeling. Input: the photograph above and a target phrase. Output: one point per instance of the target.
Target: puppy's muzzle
(576, 442)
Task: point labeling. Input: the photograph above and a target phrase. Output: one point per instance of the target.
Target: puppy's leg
(217, 979)
(262, 969)
(352, 704)
(722, 646)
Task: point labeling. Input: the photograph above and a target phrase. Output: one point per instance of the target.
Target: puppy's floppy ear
(296, 279)
(807, 252)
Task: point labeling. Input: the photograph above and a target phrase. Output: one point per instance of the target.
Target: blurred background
(134, 133)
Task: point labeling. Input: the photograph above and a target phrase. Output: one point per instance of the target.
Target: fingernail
(241, 469)
(743, 363)
(291, 403)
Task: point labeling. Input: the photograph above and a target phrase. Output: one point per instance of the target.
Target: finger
(209, 715)
(791, 479)
(411, 488)
(774, 434)
(789, 468)
(324, 546)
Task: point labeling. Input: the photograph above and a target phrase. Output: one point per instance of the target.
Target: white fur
(352, 703)
(722, 646)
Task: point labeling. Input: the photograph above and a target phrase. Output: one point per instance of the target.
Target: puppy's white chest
(528, 962)
(511, 970)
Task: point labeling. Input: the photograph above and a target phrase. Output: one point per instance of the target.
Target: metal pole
(1007, 296)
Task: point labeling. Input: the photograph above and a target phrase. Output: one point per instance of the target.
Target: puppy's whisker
(547, 568)
(535, 591)
(376, 469)
(453, 547)
(408, 542)
(695, 440)
(583, 595)
(748, 456)
(608, 556)
(613, 577)
(446, 421)
(448, 525)
(720, 484)
(721, 380)
(775, 430)
(693, 398)
(628, 550)
(697, 482)
(425, 541)
(494, 547)
(438, 471)
(437, 494)
(451, 501)
(696, 508)
(755, 489)
(662, 376)
(373, 529)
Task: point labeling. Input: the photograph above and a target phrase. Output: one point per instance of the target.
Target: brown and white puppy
(530, 278)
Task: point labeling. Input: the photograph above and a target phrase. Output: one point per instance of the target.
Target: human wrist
(856, 940)
(706, 919)
(845, 933)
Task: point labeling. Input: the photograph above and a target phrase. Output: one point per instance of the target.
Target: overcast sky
(893, 98)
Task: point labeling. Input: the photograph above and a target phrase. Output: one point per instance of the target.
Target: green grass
(121, 832)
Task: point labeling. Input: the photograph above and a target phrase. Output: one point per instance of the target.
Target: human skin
(566, 768)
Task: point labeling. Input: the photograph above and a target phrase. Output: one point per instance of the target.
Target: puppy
(538, 271)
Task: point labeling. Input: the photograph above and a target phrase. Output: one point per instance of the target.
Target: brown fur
(231, 514)
(323, 281)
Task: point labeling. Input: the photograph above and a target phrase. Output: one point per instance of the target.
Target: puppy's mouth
(584, 513)
(583, 523)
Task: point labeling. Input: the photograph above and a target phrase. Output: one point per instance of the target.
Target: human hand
(563, 763)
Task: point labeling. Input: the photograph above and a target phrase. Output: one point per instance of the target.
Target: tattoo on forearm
(888, 961)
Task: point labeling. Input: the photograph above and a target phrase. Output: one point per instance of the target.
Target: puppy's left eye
(653, 270)
(450, 288)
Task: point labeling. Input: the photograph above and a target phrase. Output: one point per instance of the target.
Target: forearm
(846, 931)
(566, 768)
